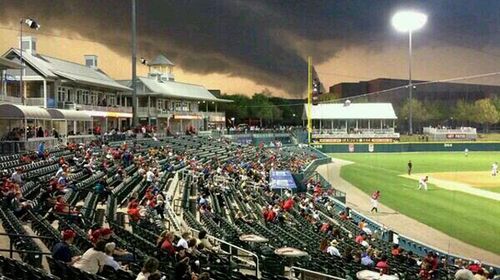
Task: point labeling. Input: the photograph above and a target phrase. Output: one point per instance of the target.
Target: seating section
(204, 184)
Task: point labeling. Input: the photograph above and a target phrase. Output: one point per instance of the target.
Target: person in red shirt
(395, 250)
(288, 205)
(374, 199)
(360, 238)
(133, 211)
(167, 245)
(382, 265)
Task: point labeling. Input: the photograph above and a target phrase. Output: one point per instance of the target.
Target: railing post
(11, 247)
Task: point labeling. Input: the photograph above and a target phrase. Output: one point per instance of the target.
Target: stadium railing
(304, 274)
(233, 250)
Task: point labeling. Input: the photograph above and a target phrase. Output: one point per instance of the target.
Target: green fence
(409, 147)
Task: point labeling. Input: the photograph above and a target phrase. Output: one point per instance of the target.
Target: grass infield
(467, 217)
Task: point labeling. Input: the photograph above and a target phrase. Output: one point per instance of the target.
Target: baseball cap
(106, 231)
(67, 234)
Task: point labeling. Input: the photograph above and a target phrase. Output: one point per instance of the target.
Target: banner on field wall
(351, 148)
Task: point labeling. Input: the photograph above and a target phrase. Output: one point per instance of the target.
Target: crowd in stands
(71, 184)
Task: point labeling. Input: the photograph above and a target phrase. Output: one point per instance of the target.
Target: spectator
(464, 274)
(332, 249)
(183, 242)
(149, 270)
(203, 240)
(382, 265)
(166, 244)
(109, 249)
(93, 259)
(62, 252)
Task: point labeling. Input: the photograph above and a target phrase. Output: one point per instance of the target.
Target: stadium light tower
(409, 21)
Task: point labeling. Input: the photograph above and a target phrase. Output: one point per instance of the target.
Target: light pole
(134, 65)
(409, 21)
(32, 25)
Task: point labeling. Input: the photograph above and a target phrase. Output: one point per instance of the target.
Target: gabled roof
(161, 60)
(55, 67)
(172, 89)
(354, 111)
(9, 64)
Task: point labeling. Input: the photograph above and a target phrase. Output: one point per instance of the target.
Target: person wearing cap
(332, 249)
(61, 251)
(93, 260)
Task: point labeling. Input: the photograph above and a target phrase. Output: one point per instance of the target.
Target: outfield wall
(407, 147)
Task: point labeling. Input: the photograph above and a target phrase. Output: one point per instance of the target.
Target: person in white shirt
(110, 261)
(16, 176)
(183, 241)
(494, 169)
(93, 259)
(422, 183)
(150, 176)
(150, 268)
(332, 249)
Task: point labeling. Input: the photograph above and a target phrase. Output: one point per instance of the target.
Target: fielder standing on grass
(374, 199)
(410, 166)
(494, 169)
(422, 183)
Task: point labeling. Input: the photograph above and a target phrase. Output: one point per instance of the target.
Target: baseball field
(463, 196)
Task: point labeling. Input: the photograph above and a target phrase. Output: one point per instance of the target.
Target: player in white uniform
(422, 183)
(494, 169)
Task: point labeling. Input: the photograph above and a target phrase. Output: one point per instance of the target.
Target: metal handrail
(295, 268)
(231, 246)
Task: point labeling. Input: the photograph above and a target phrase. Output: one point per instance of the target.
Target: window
(60, 94)
(85, 97)
(78, 96)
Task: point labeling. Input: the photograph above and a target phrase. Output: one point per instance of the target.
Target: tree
(464, 112)
(262, 108)
(419, 112)
(486, 113)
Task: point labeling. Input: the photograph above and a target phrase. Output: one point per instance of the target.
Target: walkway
(455, 186)
(360, 201)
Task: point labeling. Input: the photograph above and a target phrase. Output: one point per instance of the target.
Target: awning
(69, 115)
(108, 114)
(16, 112)
(187, 117)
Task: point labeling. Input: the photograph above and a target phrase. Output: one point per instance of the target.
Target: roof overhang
(354, 111)
(17, 112)
(69, 115)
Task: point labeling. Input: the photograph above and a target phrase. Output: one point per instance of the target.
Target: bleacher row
(221, 222)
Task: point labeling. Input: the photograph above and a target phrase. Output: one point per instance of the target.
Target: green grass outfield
(474, 220)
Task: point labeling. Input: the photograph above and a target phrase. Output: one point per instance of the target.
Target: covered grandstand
(352, 122)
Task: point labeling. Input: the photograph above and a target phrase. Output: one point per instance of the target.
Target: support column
(320, 125)
(216, 107)
(380, 124)
(368, 124)
(332, 125)
(45, 94)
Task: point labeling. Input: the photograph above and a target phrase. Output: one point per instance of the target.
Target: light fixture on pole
(32, 24)
(409, 21)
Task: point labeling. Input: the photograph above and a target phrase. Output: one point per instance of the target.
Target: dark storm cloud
(265, 41)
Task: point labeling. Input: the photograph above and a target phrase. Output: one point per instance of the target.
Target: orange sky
(352, 64)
